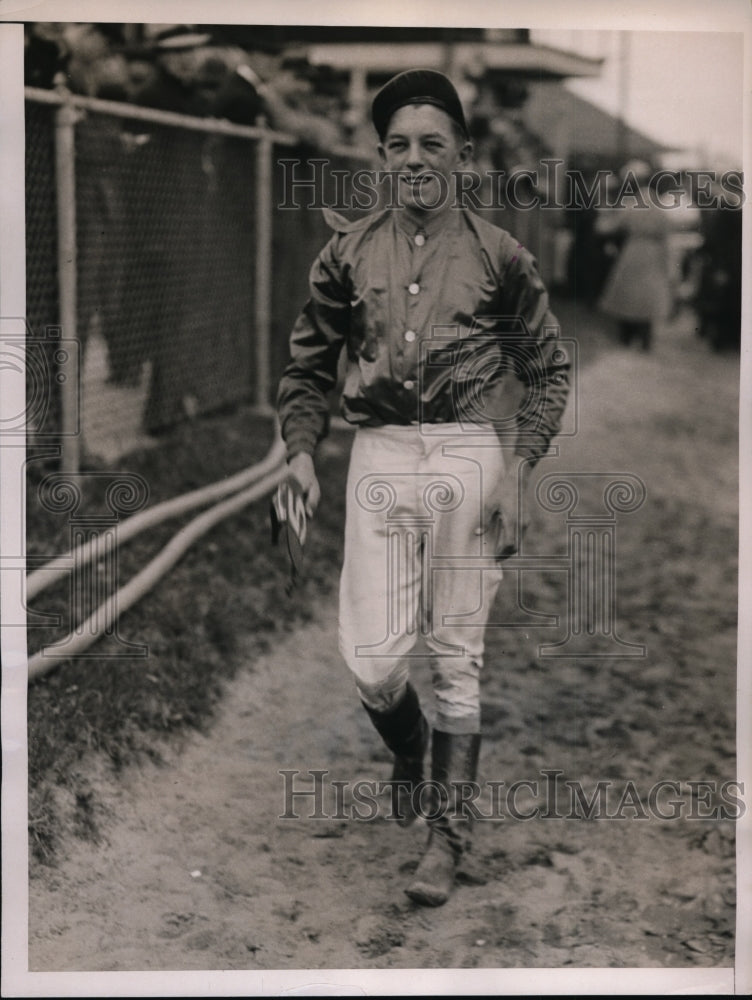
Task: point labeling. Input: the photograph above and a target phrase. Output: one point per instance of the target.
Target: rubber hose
(89, 631)
(48, 574)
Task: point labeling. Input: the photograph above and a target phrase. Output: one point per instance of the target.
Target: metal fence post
(263, 306)
(65, 180)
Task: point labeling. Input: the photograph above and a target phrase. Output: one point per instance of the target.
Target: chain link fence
(187, 278)
(165, 231)
(42, 291)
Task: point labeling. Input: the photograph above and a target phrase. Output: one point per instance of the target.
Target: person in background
(637, 293)
(177, 54)
(95, 67)
(45, 54)
(276, 87)
(168, 193)
(719, 294)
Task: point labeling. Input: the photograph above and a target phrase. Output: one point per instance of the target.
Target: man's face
(421, 142)
(182, 63)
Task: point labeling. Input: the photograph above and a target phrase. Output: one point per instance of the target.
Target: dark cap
(416, 86)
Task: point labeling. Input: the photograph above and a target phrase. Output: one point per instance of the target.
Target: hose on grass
(102, 620)
(48, 574)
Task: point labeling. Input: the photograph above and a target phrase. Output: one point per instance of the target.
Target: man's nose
(414, 156)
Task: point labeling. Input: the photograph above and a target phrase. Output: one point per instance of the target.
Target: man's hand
(301, 467)
(512, 493)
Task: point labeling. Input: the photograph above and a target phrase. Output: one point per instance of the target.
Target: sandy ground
(196, 869)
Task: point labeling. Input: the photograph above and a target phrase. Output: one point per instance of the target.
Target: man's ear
(382, 154)
(465, 155)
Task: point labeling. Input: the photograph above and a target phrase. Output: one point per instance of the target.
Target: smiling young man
(456, 387)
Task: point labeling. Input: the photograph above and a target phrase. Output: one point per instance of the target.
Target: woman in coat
(638, 290)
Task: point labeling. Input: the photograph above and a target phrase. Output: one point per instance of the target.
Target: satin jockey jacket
(448, 322)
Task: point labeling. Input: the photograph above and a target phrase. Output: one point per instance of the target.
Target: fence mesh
(165, 231)
(42, 299)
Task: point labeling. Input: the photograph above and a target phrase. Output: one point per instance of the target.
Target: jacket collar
(430, 225)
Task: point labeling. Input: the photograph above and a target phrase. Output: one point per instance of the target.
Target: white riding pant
(420, 539)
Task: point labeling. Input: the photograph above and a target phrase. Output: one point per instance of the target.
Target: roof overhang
(539, 61)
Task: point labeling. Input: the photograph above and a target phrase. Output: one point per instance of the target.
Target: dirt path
(199, 872)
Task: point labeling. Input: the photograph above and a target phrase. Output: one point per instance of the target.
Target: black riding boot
(405, 731)
(454, 762)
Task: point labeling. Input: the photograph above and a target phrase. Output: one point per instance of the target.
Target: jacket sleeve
(315, 344)
(541, 362)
